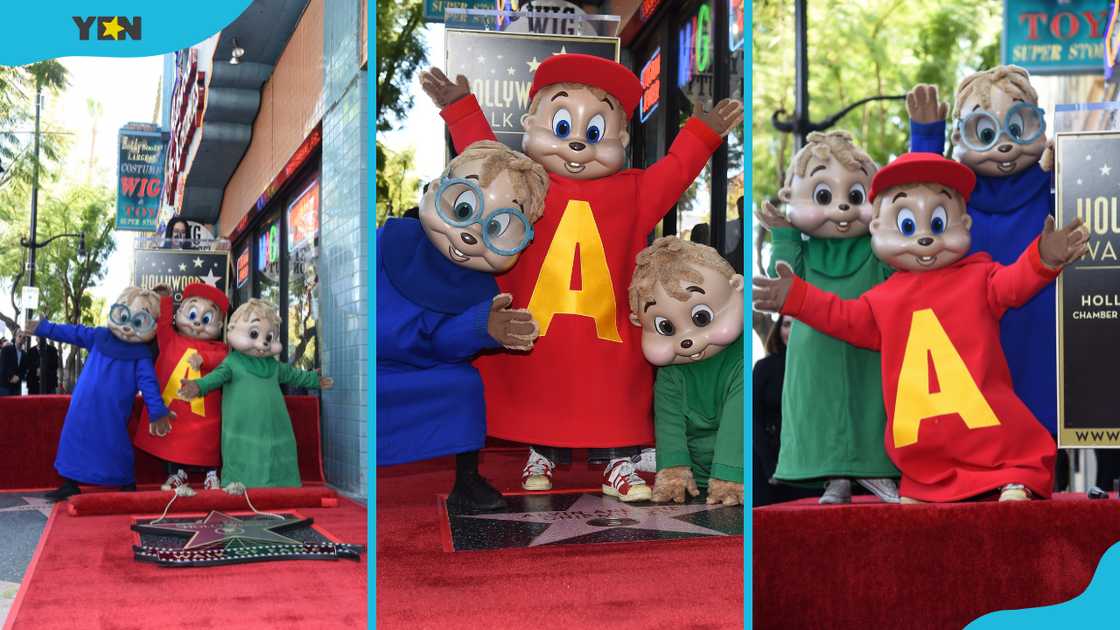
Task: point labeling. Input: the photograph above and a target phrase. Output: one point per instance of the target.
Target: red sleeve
(1014, 285)
(847, 320)
(466, 122)
(663, 183)
(165, 325)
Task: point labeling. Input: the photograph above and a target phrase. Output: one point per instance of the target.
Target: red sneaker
(622, 481)
(537, 473)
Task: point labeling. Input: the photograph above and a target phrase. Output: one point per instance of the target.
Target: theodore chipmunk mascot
(688, 302)
(955, 427)
(585, 384)
(94, 447)
(258, 443)
(438, 306)
(832, 401)
(190, 346)
(1000, 134)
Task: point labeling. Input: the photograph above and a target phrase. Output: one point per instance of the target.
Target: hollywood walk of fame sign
(500, 67)
(1088, 187)
(177, 268)
(545, 519)
(223, 539)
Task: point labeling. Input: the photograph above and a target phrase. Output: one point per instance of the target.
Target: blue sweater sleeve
(927, 137)
(149, 390)
(74, 334)
(460, 337)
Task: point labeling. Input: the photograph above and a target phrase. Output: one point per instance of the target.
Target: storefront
(268, 116)
(686, 52)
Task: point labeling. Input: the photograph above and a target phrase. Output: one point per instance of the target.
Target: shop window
(267, 270)
(693, 84)
(242, 274)
(303, 280)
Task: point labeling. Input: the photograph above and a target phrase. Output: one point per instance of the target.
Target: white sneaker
(1014, 492)
(622, 481)
(212, 482)
(537, 473)
(647, 461)
(174, 481)
(885, 489)
(836, 492)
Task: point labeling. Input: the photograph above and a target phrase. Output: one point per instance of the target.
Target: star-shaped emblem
(510, 71)
(591, 514)
(563, 51)
(533, 63)
(1088, 156)
(1106, 169)
(197, 261)
(218, 529)
(182, 267)
(481, 59)
(1078, 181)
(210, 278)
(112, 28)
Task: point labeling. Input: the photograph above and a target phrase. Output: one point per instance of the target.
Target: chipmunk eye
(664, 326)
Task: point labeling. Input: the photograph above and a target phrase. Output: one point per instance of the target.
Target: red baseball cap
(613, 77)
(207, 292)
(920, 168)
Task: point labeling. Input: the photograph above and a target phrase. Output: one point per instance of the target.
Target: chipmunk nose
(843, 206)
(925, 241)
(468, 238)
(577, 146)
(1004, 148)
(686, 344)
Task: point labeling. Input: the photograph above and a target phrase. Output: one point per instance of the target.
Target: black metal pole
(34, 195)
(721, 89)
(801, 76)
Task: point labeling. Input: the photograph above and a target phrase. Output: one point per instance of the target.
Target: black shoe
(131, 487)
(473, 494)
(63, 492)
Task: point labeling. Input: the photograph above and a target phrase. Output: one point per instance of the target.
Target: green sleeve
(300, 378)
(727, 463)
(669, 419)
(215, 379)
(787, 245)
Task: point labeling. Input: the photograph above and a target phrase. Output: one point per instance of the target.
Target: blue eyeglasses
(981, 130)
(141, 321)
(460, 203)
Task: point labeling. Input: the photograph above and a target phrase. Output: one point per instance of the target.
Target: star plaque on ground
(223, 539)
(575, 519)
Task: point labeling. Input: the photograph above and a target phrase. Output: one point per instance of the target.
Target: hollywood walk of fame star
(588, 513)
(37, 504)
(211, 279)
(533, 63)
(218, 529)
(197, 261)
(1106, 169)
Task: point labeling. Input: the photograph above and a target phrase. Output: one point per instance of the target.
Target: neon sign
(268, 248)
(651, 85)
(695, 46)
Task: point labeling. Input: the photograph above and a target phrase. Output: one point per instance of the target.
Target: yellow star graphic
(533, 63)
(113, 28)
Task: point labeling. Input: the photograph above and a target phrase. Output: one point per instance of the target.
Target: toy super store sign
(1055, 37)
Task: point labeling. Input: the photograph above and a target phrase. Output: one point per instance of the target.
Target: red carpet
(154, 501)
(83, 576)
(923, 566)
(671, 584)
(30, 426)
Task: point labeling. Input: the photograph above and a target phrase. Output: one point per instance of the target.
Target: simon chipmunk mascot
(190, 346)
(688, 302)
(832, 399)
(955, 427)
(438, 306)
(94, 447)
(1000, 134)
(258, 443)
(585, 384)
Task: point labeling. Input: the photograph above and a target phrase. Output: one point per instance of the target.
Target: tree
(400, 53)
(400, 185)
(17, 110)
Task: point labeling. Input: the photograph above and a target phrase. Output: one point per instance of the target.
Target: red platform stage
(30, 427)
(872, 565)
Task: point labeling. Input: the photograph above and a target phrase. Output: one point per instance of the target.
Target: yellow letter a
(553, 292)
(184, 369)
(958, 391)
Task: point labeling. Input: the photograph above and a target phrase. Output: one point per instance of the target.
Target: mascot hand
(515, 329)
(195, 361)
(30, 326)
(725, 116)
(725, 492)
(326, 382)
(671, 483)
(189, 390)
(441, 89)
(161, 427)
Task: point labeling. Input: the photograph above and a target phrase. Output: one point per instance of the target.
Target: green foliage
(17, 113)
(396, 185)
(856, 50)
(400, 53)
